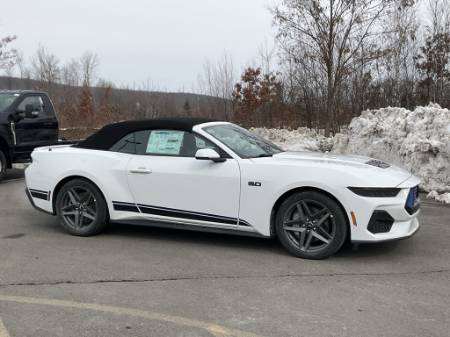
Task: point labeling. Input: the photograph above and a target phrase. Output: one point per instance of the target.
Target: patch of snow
(444, 197)
(301, 139)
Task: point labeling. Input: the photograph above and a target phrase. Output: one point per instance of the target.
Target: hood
(324, 157)
(363, 166)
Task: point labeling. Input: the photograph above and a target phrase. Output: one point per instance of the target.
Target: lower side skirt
(196, 228)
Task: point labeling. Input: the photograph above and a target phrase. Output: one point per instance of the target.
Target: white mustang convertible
(216, 176)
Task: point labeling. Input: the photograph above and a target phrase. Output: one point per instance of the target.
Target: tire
(81, 208)
(3, 165)
(311, 225)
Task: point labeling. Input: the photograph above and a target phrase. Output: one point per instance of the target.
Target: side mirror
(30, 111)
(208, 154)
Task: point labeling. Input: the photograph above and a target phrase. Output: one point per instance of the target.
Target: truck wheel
(81, 208)
(3, 165)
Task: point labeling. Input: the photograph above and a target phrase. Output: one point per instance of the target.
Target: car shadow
(190, 236)
(367, 249)
(237, 241)
(13, 174)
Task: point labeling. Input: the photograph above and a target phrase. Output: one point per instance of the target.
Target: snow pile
(445, 197)
(301, 139)
(417, 140)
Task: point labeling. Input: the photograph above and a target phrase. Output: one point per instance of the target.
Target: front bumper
(404, 231)
(386, 218)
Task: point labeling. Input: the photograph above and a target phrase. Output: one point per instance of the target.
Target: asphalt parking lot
(141, 281)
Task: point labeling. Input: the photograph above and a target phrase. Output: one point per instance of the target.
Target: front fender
(336, 192)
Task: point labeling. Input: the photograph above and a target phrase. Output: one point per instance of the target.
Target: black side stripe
(40, 194)
(244, 223)
(162, 211)
(125, 206)
(176, 213)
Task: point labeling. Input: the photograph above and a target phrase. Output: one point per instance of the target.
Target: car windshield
(242, 141)
(6, 99)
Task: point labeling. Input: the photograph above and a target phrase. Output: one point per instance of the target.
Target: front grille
(380, 222)
(412, 204)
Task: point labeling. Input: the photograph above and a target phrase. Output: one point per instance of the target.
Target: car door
(41, 130)
(169, 183)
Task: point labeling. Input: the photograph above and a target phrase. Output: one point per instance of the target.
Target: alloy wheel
(309, 225)
(79, 207)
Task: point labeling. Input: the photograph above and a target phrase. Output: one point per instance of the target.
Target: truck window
(6, 99)
(35, 101)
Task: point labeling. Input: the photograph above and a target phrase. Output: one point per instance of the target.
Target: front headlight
(375, 192)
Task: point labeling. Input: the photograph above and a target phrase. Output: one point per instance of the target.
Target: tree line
(340, 57)
(332, 60)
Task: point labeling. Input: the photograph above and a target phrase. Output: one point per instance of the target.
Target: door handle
(141, 170)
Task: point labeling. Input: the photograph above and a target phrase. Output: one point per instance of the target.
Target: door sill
(238, 230)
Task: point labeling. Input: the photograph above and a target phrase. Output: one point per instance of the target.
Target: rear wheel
(3, 164)
(311, 225)
(81, 208)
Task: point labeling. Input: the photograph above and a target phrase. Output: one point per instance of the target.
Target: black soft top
(112, 133)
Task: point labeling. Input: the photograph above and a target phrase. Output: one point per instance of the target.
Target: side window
(126, 145)
(203, 143)
(165, 142)
(35, 101)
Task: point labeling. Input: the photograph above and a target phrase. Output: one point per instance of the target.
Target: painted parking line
(214, 329)
(3, 331)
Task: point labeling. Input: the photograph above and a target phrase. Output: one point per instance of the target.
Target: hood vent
(378, 163)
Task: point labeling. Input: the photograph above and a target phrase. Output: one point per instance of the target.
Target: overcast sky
(166, 41)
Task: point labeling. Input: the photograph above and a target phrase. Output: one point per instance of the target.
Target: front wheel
(311, 225)
(81, 208)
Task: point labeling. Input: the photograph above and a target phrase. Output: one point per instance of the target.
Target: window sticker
(165, 142)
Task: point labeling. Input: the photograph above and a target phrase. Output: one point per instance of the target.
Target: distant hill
(130, 103)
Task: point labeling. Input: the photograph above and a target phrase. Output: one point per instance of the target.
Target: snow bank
(301, 139)
(417, 140)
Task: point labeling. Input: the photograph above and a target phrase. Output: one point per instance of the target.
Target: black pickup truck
(27, 121)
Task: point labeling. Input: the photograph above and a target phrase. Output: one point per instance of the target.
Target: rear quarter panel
(107, 170)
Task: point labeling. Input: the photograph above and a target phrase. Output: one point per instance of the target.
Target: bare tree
(330, 34)
(438, 12)
(45, 67)
(89, 64)
(217, 80)
(399, 45)
(71, 73)
(7, 55)
(266, 58)
(434, 56)
(24, 70)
